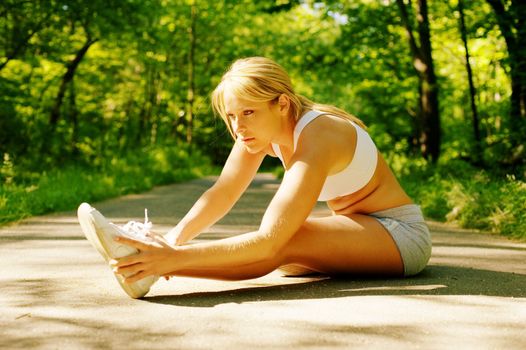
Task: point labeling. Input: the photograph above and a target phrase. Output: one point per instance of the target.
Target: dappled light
(57, 291)
(109, 102)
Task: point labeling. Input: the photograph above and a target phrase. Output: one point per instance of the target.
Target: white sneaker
(101, 233)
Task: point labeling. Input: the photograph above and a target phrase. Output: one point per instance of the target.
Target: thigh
(344, 244)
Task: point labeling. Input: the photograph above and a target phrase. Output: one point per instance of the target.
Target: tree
(191, 78)
(511, 18)
(71, 68)
(477, 154)
(429, 128)
(148, 77)
(82, 24)
(21, 21)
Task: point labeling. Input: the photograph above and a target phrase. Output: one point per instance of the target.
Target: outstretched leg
(354, 244)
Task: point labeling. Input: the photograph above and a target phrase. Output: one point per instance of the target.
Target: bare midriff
(382, 192)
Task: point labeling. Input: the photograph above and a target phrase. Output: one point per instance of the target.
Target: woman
(328, 156)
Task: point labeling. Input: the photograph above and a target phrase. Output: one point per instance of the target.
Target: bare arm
(288, 210)
(286, 213)
(239, 170)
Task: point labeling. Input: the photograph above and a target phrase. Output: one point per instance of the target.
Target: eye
(248, 112)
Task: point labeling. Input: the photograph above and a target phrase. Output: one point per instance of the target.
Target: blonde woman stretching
(328, 156)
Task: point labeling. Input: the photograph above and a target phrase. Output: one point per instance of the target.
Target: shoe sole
(100, 233)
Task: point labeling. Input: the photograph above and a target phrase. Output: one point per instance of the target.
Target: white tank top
(358, 172)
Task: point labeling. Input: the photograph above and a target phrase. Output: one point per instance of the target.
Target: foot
(101, 233)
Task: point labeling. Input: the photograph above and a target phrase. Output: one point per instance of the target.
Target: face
(255, 124)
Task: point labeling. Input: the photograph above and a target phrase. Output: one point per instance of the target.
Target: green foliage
(459, 193)
(130, 92)
(24, 194)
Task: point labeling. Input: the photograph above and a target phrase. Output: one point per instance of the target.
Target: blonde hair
(260, 79)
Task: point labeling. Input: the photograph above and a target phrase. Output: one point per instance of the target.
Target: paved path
(56, 292)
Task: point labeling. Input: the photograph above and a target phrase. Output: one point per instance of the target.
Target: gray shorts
(407, 227)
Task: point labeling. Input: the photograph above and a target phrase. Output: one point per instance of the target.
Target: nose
(237, 125)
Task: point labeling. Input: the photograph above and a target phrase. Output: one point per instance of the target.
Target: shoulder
(329, 139)
(328, 132)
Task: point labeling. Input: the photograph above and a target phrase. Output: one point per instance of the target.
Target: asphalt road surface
(57, 293)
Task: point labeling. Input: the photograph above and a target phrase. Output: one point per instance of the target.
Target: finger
(138, 276)
(128, 270)
(154, 236)
(125, 261)
(131, 242)
(159, 239)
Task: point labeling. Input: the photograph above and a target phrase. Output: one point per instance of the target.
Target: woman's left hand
(153, 258)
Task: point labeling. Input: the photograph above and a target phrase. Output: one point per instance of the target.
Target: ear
(284, 103)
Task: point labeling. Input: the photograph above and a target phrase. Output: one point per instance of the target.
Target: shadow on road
(435, 280)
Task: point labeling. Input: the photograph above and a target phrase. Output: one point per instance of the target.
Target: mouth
(247, 139)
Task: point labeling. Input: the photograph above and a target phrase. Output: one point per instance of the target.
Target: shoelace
(138, 229)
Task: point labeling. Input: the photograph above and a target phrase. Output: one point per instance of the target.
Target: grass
(24, 194)
(469, 197)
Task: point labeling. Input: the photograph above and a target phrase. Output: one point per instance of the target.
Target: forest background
(103, 97)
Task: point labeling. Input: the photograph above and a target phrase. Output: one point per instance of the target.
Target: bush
(459, 193)
(24, 194)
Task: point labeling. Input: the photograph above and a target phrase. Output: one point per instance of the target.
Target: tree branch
(407, 24)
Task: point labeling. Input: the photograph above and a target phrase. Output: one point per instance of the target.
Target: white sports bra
(356, 175)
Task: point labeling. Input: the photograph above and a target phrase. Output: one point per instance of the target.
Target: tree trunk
(143, 112)
(512, 24)
(73, 114)
(477, 152)
(191, 83)
(430, 135)
(519, 79)
(153, 102)
(146, 114)
(68, 76)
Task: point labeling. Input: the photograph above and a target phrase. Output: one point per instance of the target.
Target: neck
(285, 139)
